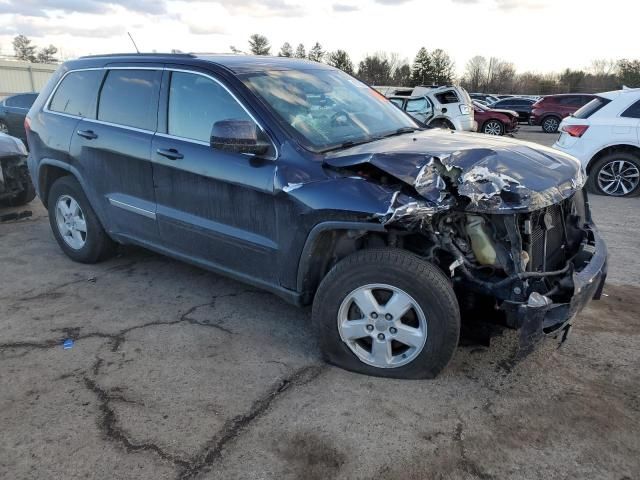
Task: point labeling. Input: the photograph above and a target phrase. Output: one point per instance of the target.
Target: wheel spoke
(354, 329)
(398, 305)
(81, 225)
(365, 301)
(409, 336)
(381, 352)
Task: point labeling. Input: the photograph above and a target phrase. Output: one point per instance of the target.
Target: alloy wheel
(550, 125)
(618, 178)
(71, 222)
(493, 128)
(382, 325)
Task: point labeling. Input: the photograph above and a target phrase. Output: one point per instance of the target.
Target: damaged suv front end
(508, 221)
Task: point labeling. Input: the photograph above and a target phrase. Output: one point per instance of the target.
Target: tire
(3, 127)
(27, 194)
(493, 127)
(625, 164)
(550, 124)
(374, 270)
(96, 244)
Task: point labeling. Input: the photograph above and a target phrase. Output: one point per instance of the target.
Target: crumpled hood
(473, 172)
(511, 113)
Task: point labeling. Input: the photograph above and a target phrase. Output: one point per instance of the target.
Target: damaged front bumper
(540, 317)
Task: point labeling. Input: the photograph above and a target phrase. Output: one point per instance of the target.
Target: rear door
(214, 207)
(114, 150)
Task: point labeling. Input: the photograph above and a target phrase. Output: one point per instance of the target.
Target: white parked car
(446, 106)
(605, 136)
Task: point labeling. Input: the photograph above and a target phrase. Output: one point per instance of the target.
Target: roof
(233, 62)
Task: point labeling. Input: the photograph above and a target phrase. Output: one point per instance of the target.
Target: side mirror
(239, 136)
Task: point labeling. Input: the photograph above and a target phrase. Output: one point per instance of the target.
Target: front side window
(130, 97)
(418, 105)
(196, 103)
(77, 93)
(327, 109)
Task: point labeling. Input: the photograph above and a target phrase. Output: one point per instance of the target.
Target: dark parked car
(485, 97)
(550, 110)
(521, 105)
(15, 184)
(13, 110)
(295, 177)
(495, 122)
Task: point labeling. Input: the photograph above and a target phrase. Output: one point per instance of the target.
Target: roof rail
(141, 54)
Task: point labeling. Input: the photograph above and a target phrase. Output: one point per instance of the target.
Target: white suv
(605, 136)
(443, 107)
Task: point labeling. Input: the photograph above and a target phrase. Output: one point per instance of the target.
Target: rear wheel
(550, 124)
(493, 127)
(74, 223)
(616, 174)
(388, 313)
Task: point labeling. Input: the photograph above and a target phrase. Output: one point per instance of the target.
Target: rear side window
(21, 101)
(196, 103)
(77, 93)
(396, 101)
(633, 111)
(592, 107)
(130, 97)
(447, 97)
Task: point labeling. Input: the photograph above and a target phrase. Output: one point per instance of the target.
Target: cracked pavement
(178, 373)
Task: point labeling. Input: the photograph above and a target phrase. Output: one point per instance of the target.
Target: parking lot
(176, 372)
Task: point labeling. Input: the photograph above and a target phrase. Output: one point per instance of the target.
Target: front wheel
(616, 174)
(493, 127)
(388, 313)
(550, 124)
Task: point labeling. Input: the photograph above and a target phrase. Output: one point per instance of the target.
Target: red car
(550, 110)
(494, 122)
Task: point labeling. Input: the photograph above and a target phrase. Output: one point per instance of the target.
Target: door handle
(88, 134)
(170, 153)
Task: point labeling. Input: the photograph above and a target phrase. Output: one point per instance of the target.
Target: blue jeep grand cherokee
(296, 177)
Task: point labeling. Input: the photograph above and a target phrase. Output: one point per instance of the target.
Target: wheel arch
(327, 244)
(622, 147)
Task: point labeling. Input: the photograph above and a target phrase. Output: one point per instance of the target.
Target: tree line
(481, 74)
(380, 68)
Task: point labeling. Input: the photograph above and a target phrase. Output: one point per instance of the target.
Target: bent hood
(472, 172)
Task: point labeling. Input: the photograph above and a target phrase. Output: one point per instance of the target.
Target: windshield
(328, 108)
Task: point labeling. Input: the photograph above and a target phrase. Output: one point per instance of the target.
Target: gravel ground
(180, 373)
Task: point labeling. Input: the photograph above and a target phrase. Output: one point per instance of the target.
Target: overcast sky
(538, 35)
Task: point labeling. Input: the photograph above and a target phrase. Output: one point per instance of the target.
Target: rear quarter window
(633, 111)
(77, 93)
(592, 107)
(21, 101)
(447, 97)
(130, 97)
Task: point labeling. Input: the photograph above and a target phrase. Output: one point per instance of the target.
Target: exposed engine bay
(508, 224)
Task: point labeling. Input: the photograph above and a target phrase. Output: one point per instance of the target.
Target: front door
(213, 207)
(115, 151)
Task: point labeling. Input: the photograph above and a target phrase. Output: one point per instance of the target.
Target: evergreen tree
(259, 45)
(285, 50)
(340, 59)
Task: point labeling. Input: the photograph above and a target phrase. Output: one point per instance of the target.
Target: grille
(547, 228)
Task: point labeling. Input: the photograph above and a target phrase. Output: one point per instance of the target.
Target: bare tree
(475, 73)
(259, 45)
